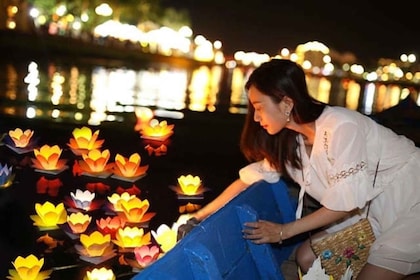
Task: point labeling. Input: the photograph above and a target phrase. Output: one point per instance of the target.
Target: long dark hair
(278, 78)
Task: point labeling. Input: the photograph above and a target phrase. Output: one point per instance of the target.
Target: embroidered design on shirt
(331, 160)
(345, 173)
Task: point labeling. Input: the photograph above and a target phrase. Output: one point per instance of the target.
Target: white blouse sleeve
(350, 184)
(261, 170)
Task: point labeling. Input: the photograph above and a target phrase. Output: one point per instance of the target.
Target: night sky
(268, 26)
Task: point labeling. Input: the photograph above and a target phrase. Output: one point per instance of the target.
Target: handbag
(345, 248)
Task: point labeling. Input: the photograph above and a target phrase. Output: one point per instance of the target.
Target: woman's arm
(228, 194)
(268, 232)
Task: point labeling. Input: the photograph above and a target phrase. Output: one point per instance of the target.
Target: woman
(333, 154)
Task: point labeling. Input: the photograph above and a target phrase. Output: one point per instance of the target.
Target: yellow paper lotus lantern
(146, 255)
(82, 199)
(48, 158)
(21, 138)
(166, 237)
(6, 176)
(129, 167)
(49, 215)
(96, 244)
(116, 200)
(78, 222)
(100, 274)
(134, 210)
(156, 130)
(189, 184)
(84, 140)
(143, 115)
(95, 161)
(132, 237)
(28, 268)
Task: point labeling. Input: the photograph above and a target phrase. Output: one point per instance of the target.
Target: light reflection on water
(91, 94)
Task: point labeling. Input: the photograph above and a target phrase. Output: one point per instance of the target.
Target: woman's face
(270, 115)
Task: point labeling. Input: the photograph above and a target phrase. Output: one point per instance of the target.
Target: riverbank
(16, 45)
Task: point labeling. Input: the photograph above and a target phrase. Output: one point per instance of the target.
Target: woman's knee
(305, 256)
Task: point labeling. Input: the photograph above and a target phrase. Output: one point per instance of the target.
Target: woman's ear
(288, 101)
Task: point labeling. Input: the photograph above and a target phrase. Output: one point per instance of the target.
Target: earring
(287, 113)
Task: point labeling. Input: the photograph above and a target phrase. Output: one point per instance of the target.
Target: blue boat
(215, 249)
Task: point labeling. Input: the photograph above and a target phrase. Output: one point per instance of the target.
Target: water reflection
(91, 94)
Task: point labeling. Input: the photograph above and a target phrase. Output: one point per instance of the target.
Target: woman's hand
(263, 232)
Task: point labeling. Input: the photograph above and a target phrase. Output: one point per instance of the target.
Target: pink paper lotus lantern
(100, 274)
(129, 167)
(6, 176)
(110, 225)
(166, 237)
(21, 138)
(95, 161)
(48, 158)
(78, 222)
(28, 268)
(146, 254)
(84, 140)
(132, 237)
(49, 215)
(96, 244)
(156, 130)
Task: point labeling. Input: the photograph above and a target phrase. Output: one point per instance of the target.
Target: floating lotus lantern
(82, 199)
(6, 176)
(131, 237)
(48, 158)
(134, 210)
(155, 130)
(189, 187)
(143, 115)
(96, 162)
(146, 254)
(50, 242)
(20, 138)
(166, 237)
(49, 215)
(28, 268)
(95, 245)
(129, 167)
(116, 200)
(100, 274)
(84, 140)
(110, 225)
(78, 222)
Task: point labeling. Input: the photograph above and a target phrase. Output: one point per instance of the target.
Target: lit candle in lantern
(29, 268)
(49, 215)
(100, 274)
(95, 245)
(189, 187)
(156, 130)
(131, 237)
(20, 138)
(166, 237)
(78, 222)
(6, 176)
(134, 210)
(129, 167)
(82, 199)
(48, 158)
(84, 140)
(95, 161)
(146, 254)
